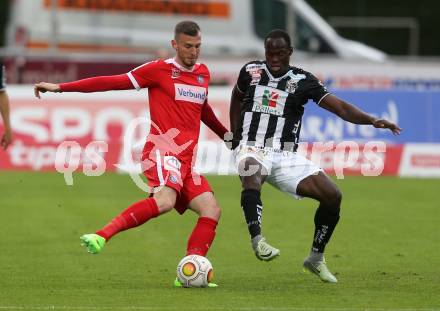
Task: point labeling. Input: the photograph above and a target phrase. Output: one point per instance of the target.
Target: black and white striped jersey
(2, 77)
(272, 108)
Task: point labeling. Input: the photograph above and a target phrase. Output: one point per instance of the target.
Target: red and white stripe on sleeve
(145, 75)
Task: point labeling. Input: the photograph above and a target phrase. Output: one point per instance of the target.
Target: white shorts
(285, 169)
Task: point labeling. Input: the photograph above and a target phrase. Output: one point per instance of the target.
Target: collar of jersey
(175, 63)
(272, 78)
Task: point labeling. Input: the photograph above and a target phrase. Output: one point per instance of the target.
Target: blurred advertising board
(98, 124)
(417, 112)
(334, 73)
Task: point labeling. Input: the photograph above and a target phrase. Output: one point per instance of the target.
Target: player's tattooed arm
(353, 114)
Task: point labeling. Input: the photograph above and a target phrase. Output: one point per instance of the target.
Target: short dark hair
(189, 28)
(276, 34)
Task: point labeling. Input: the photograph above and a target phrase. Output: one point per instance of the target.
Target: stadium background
(384, 252)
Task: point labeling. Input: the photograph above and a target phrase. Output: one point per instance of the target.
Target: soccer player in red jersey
(177, 90)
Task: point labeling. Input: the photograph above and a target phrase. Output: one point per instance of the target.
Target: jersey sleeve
(315, 89)
(209, 118)
(2, 77)
(243, 80)
(145, 75)
(98, 84)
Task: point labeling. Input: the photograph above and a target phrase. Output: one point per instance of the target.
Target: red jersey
(176, 98)
(178, 102)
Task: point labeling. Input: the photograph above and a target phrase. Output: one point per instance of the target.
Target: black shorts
(2, 77)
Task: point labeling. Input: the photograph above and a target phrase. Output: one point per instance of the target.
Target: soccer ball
(194, 271)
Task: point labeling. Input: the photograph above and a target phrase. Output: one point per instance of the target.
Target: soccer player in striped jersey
(178, 92)
(267, 105)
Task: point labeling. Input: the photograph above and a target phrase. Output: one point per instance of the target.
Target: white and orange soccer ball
(195, 271)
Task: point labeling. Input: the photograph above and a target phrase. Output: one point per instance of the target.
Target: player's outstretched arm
(89, 85)
(353, 114)
(44, 87)
(385, 124)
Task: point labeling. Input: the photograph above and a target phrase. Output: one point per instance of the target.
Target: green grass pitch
(385, 251)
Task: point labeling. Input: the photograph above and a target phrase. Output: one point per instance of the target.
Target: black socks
(326, 220)
(252, 209)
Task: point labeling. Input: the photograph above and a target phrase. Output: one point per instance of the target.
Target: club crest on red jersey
(175, 73)
(200, 79)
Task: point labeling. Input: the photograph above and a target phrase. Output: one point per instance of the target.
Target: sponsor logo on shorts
(173, 179)
(172, 164)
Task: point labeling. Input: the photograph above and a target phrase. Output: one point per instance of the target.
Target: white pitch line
(210, 308)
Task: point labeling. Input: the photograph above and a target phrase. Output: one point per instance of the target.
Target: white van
(229, 27)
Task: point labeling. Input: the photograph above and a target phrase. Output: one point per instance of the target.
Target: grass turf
(384, 251)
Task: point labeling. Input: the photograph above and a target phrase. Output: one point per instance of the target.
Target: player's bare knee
(338, 197)
(330, 197)
(333, 198)
(165, 204)
(213, 211)
(206, 205)
(251, 182)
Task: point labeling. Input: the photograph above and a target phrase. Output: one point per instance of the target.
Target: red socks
(202, 236)
(135, 215)
(198, 243)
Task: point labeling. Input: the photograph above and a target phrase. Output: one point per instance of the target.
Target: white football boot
(264, 251)
(320, 269)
